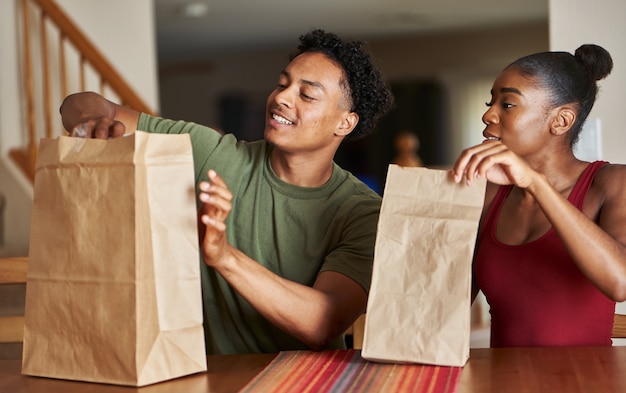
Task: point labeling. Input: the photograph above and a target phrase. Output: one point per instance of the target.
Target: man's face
(307, 110)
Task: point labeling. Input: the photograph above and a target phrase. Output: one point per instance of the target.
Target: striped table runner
(347, 371)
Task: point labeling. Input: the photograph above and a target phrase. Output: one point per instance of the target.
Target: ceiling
(237, 25)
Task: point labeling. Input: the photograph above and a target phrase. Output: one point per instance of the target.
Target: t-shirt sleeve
(204, 140)
(354, 255)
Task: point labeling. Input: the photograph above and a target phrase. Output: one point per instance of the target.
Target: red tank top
(537, 295)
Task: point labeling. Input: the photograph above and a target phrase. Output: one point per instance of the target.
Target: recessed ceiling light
(197, 9)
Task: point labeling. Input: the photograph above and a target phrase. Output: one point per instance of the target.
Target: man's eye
(506, 105)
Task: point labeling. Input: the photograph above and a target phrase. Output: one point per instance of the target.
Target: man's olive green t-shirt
(296, 232)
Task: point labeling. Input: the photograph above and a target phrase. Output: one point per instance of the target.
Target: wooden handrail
(28, 160)
(93, 56)
(44, 104)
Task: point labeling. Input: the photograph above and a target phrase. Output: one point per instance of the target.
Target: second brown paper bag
(113, 292)
(419, 303)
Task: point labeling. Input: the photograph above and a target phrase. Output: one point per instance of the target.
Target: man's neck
(302, 171)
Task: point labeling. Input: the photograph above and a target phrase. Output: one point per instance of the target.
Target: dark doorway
(419, 107)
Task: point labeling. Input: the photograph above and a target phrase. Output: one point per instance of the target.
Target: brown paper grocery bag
(419, 303)
(113, 292)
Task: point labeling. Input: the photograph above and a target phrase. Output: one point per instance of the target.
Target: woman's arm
(598, 249)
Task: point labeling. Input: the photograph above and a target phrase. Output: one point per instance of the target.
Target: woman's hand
(495, 162)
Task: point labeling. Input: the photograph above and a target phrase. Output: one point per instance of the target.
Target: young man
(287, 236)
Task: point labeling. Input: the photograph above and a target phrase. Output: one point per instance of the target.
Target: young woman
(551, 250)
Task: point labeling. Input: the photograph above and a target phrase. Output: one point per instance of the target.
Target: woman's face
(519, 113)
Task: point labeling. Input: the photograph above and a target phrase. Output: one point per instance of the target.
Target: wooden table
(584, 369)
(227, 373)
(565, 369)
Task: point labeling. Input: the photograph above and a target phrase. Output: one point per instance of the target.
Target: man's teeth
(493, 138)
(281, 120)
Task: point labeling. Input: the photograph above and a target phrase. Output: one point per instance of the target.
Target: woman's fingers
(486, 159)
(476, 160)
(495, 162)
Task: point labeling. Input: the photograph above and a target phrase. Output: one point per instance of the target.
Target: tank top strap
(494, 208)
(577, 196)
(582, 186)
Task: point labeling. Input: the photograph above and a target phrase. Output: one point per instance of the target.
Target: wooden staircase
(57, 58)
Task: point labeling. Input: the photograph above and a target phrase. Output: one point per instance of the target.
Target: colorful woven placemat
(347, 371)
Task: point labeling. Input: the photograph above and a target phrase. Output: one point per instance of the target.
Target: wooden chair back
(356, 332)
(619, 326)
(12, 271)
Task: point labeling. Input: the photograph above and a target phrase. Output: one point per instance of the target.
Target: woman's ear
(563, 121)
(347, 123)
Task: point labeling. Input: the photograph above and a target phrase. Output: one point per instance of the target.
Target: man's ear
(563, 121)
(347, 123)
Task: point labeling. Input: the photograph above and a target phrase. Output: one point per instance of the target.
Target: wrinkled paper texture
(113, 292)
(419, 303)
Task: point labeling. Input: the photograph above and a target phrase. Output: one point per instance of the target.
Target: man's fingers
(102, 128)
(216, 187)
(81, 131)
(215, 200)
(117, 129)
(217, 225)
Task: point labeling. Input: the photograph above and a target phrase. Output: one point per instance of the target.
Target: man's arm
(314, 315)
(88, 114)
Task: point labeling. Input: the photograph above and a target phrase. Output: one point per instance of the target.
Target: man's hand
(216, 201)
(89, 115)
(100, 128)
(314, 315)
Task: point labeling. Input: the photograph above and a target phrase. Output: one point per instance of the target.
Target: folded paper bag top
(113, 292)
(419, 304)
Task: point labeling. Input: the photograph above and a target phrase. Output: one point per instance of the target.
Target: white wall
(10, 98)
(601, 22)
(18, 193)
(577, 22)
(124, 31)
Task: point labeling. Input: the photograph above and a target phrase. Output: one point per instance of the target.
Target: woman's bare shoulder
(611, 180)
(611, 172)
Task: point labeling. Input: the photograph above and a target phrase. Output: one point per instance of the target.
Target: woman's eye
(505, 105)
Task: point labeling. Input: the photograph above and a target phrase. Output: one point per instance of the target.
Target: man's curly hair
(370, 95)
